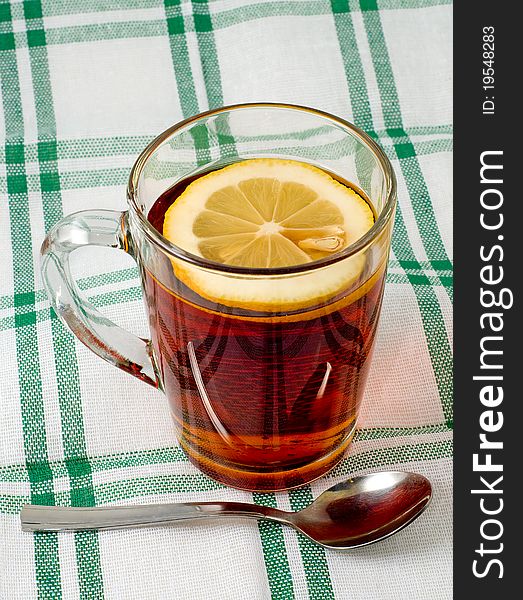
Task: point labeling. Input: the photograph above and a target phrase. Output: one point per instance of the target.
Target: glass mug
(261, 399)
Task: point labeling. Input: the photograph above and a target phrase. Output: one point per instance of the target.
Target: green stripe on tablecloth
(131, 294)
(421, 265)
(352, 64)
(134, 294)
(71, 7)
(438, 345)
(46, 558)
(176, 28)
(174, 454)
(177, 25)
(109, 146)
(313, 556)
(97, 147)
(430, 280)
(86, 283)
(131, 274)
(380, 433)
(203, 26)
(106, 462)
(44, 314)
(98, 32)
(105, 177)
(109, 176)
(157, 485)
(118, 176)
(66, 366)
(385, 457)
(274, 552)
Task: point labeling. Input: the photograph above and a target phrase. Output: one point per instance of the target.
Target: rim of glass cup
(158, 239)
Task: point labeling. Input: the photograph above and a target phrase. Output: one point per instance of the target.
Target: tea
(262, 399)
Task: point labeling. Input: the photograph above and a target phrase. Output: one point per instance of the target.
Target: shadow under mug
(262, 399)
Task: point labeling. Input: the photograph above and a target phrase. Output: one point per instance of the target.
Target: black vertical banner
(488, 236)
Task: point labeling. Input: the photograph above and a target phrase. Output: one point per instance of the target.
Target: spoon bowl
(356, 512)
(364, 510)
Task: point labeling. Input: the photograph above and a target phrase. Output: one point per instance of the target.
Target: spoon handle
(68, 518)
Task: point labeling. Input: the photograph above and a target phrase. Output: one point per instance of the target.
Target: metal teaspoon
(355, 512)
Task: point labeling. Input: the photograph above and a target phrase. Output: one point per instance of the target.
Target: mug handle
(116, 345)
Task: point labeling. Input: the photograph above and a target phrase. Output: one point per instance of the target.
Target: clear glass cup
(263, 397)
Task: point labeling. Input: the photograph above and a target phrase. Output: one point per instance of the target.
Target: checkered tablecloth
(84, 87)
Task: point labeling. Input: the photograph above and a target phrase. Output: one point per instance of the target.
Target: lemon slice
(267, 213)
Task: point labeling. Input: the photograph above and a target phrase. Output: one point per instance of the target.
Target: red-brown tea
(262, 401)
